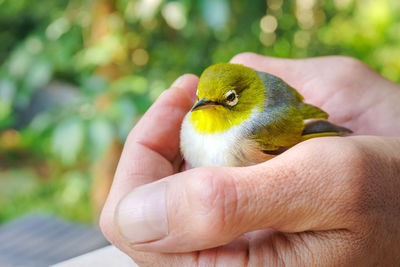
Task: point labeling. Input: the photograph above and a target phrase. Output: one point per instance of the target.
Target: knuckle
(352, 157)
(350, 65)
(350, 62)
(242, 57)
(215, 199)
(344, 172)
(340, 158)
(345, 153)
(355, 167)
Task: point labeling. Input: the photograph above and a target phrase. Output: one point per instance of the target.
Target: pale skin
(332, 201)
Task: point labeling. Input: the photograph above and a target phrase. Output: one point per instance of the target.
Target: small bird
(243, 117)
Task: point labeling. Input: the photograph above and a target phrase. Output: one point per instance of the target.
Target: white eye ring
(229, 99)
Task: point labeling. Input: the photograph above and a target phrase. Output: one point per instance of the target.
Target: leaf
(67, 140)
(39, 75)
(7, 91)
(75, 186)
(136, 84)
(101, 134)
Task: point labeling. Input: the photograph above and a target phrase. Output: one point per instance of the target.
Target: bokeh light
(140, 57)
(268, 24)
(174, 14)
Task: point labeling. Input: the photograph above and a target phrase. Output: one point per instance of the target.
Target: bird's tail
(321, 127)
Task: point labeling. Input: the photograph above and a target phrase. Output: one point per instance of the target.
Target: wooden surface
(42, 240)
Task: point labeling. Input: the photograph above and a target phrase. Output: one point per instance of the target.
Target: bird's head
(227, 94)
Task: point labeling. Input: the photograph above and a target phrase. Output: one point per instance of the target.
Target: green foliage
(22, 191)
(76, 75)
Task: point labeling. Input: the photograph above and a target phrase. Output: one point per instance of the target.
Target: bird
(243, 117)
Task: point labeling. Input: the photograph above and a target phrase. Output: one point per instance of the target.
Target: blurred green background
(76, 75)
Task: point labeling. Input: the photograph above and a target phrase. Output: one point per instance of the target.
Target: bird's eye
(231, 97)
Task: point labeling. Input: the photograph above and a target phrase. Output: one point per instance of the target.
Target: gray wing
(278, 92)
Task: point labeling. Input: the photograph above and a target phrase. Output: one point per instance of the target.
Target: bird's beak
(203, 104)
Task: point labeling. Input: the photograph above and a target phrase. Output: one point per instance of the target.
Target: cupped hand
(329, 201)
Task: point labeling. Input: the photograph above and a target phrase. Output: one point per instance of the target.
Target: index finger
(311, 77)
(152, 145)
(158, 130)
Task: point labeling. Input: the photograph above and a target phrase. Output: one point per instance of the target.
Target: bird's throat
(217, 119)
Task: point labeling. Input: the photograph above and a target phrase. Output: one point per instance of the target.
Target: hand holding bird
(328, 201)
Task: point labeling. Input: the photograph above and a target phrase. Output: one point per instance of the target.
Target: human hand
(331, 201)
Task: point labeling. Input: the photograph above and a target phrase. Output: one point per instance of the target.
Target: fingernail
(179, 82)
(141, 215)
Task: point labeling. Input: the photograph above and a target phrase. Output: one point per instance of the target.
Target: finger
(150, 259)
(295, 72)
(311, 77)
(331, 83)
(159, 127)
(319, 76)
(268, 64)
(232, 255)
(151, 146)
(209, 207)
(326, 248)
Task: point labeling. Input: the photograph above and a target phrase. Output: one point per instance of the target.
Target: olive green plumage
(284, 115)
(241, 115)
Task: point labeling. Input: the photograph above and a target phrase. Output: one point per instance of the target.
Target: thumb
(208, 207)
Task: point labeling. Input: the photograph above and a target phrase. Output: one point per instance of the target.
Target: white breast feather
(228, 148)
